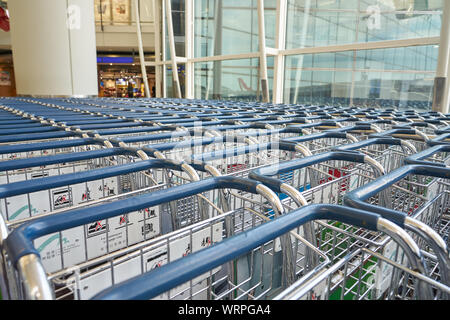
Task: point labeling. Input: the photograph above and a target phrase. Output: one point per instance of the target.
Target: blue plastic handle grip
(128, 124)
(316, 136)
(28, 186)
(392, 132)
(368, 142)
(133, 130)
(7, 132)
(193, 143)
(37, 146)
(264, 174)
(37, 136)
(152, 137)
(168, 276)
(357, 198)
(231, 152)
(440, 140)
(418, 158)
(20, 240)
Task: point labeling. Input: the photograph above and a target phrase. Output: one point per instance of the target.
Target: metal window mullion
(280, 39)
(441, 82)
(189, 48)
(298, 74)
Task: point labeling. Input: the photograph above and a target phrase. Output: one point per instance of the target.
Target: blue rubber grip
(193, 143)
(315, 136)
(368, 142)
(265, 174)
(168, 276)
(27, 147)
(231, 152)
(418, 158)
(36, 136)
(8, 132)
(20, 240)
(28, 186)
(61, 158)
(357, 198)
(392, 132)
(132, 130)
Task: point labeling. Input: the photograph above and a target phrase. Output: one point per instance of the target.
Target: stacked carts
(106, 198)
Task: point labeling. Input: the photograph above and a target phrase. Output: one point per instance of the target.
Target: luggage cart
(77, 180)
(248, 244)
(323, 141)
(389, 152)
(323, 178)
(88, 278)
(407, 200)
(417, 138)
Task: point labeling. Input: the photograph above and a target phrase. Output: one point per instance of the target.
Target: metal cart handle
(28, 186)
(400, 131)
(37, 136)
(264, 174)
(160, 280)
(374, 141)
(61, 158)
(418, 157)
(357, 198)
(231, 152)
(20, 241)
(7, 132)
(193, 143)
(320, 135)
(37, 146)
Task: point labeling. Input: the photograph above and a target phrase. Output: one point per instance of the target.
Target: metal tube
(411, 250)
(34, 278)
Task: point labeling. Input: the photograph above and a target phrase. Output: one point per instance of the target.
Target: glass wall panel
(386, 77)
(225, 27)
(320, 23)
(229, 79)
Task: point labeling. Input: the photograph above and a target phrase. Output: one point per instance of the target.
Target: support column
(54, 47)
(441, 82)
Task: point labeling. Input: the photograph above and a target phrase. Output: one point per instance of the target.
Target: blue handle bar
(28, 186)
(264, 174)
(418, 157)
(37, 136)
(357, 198)
(26, 147)
(7, 132)
(20, 240)
(160, 280)
(440, 140)
(231, 152)
(192, 143)
(61, 158)
(315, 136)
(368, 142)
